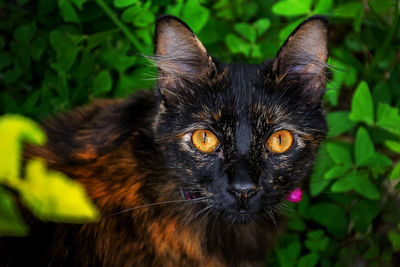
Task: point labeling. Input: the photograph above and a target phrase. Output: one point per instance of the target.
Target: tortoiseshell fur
(136, 152)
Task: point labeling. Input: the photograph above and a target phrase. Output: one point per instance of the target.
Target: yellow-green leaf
(51, 196)
(15, 129)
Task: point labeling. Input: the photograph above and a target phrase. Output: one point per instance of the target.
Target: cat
(194, 173)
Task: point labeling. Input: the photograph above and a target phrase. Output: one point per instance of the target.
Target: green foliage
(57, 54)
(49, 195)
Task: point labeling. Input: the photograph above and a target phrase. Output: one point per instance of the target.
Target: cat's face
(240, 136)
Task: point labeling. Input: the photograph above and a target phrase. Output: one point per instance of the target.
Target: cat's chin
(240, 217)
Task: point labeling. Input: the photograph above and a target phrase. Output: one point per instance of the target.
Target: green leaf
(21, 52)
(367, 189)
(339, 73)
(124, 3)
(25, 33)
(331, 216)
(15, 129)
(394, 238)
(378, 160)
(144, 18)
(362, 214)
(395, 173)
(246, 30)
(348, 10)
(382, 93)
(303, 208)
(37, 48)
(292, 7)
(322, 163)
(79, 3)
(380, 6)
(256, 52)
(323, 7)
(68, 11)
(297, 224)
(11, 223)
(351, 76)
(137, 80)
(102, 82)
(30, 102)
(130, 13)
(66, 51)
(358, 19)
(51, 196)
(362, 107)
(145, 35)
(339, 152)
(262, 25)
(195, 15)
(118, 59)
(10, 106)
(288, 256)
(337, 171)
(393, 145)
(316, 241)
(309, 260)
(86, 65)
(339, 122)
(236, 45)
(46, 6)
(388, 118)
(372, 252)
(364, 148)
(358, 181)
(98, 38)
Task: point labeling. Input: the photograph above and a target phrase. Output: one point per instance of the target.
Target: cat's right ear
(179, 55)
(304, 54)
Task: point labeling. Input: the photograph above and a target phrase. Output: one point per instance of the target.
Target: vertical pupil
(280, 139)
(204, 137)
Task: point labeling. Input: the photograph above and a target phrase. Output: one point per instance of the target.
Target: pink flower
(295, 195)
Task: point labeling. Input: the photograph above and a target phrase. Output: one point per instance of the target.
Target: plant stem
(113, 16)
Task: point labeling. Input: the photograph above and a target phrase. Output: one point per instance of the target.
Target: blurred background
(57, 54)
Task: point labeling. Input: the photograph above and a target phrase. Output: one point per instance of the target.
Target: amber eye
(205, 141)
(280, 141)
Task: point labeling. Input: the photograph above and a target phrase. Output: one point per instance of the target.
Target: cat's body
(135, 153)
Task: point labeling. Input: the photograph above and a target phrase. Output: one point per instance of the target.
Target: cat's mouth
(188, 193)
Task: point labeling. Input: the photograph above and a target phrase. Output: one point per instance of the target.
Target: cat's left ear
(179, 54)
(304, 54)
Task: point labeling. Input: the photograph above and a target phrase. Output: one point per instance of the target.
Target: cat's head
(243, 136)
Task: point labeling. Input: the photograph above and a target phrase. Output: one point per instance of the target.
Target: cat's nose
(244, 191)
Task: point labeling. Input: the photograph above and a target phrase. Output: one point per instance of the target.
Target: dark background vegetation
(57, 54)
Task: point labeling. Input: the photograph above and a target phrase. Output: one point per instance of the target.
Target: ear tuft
(179, 54)
(305, 52)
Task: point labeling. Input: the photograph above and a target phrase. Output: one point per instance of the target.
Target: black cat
(194, 173)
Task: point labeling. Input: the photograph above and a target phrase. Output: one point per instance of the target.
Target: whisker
(271, 215)
(200, 212)
(157, 203)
